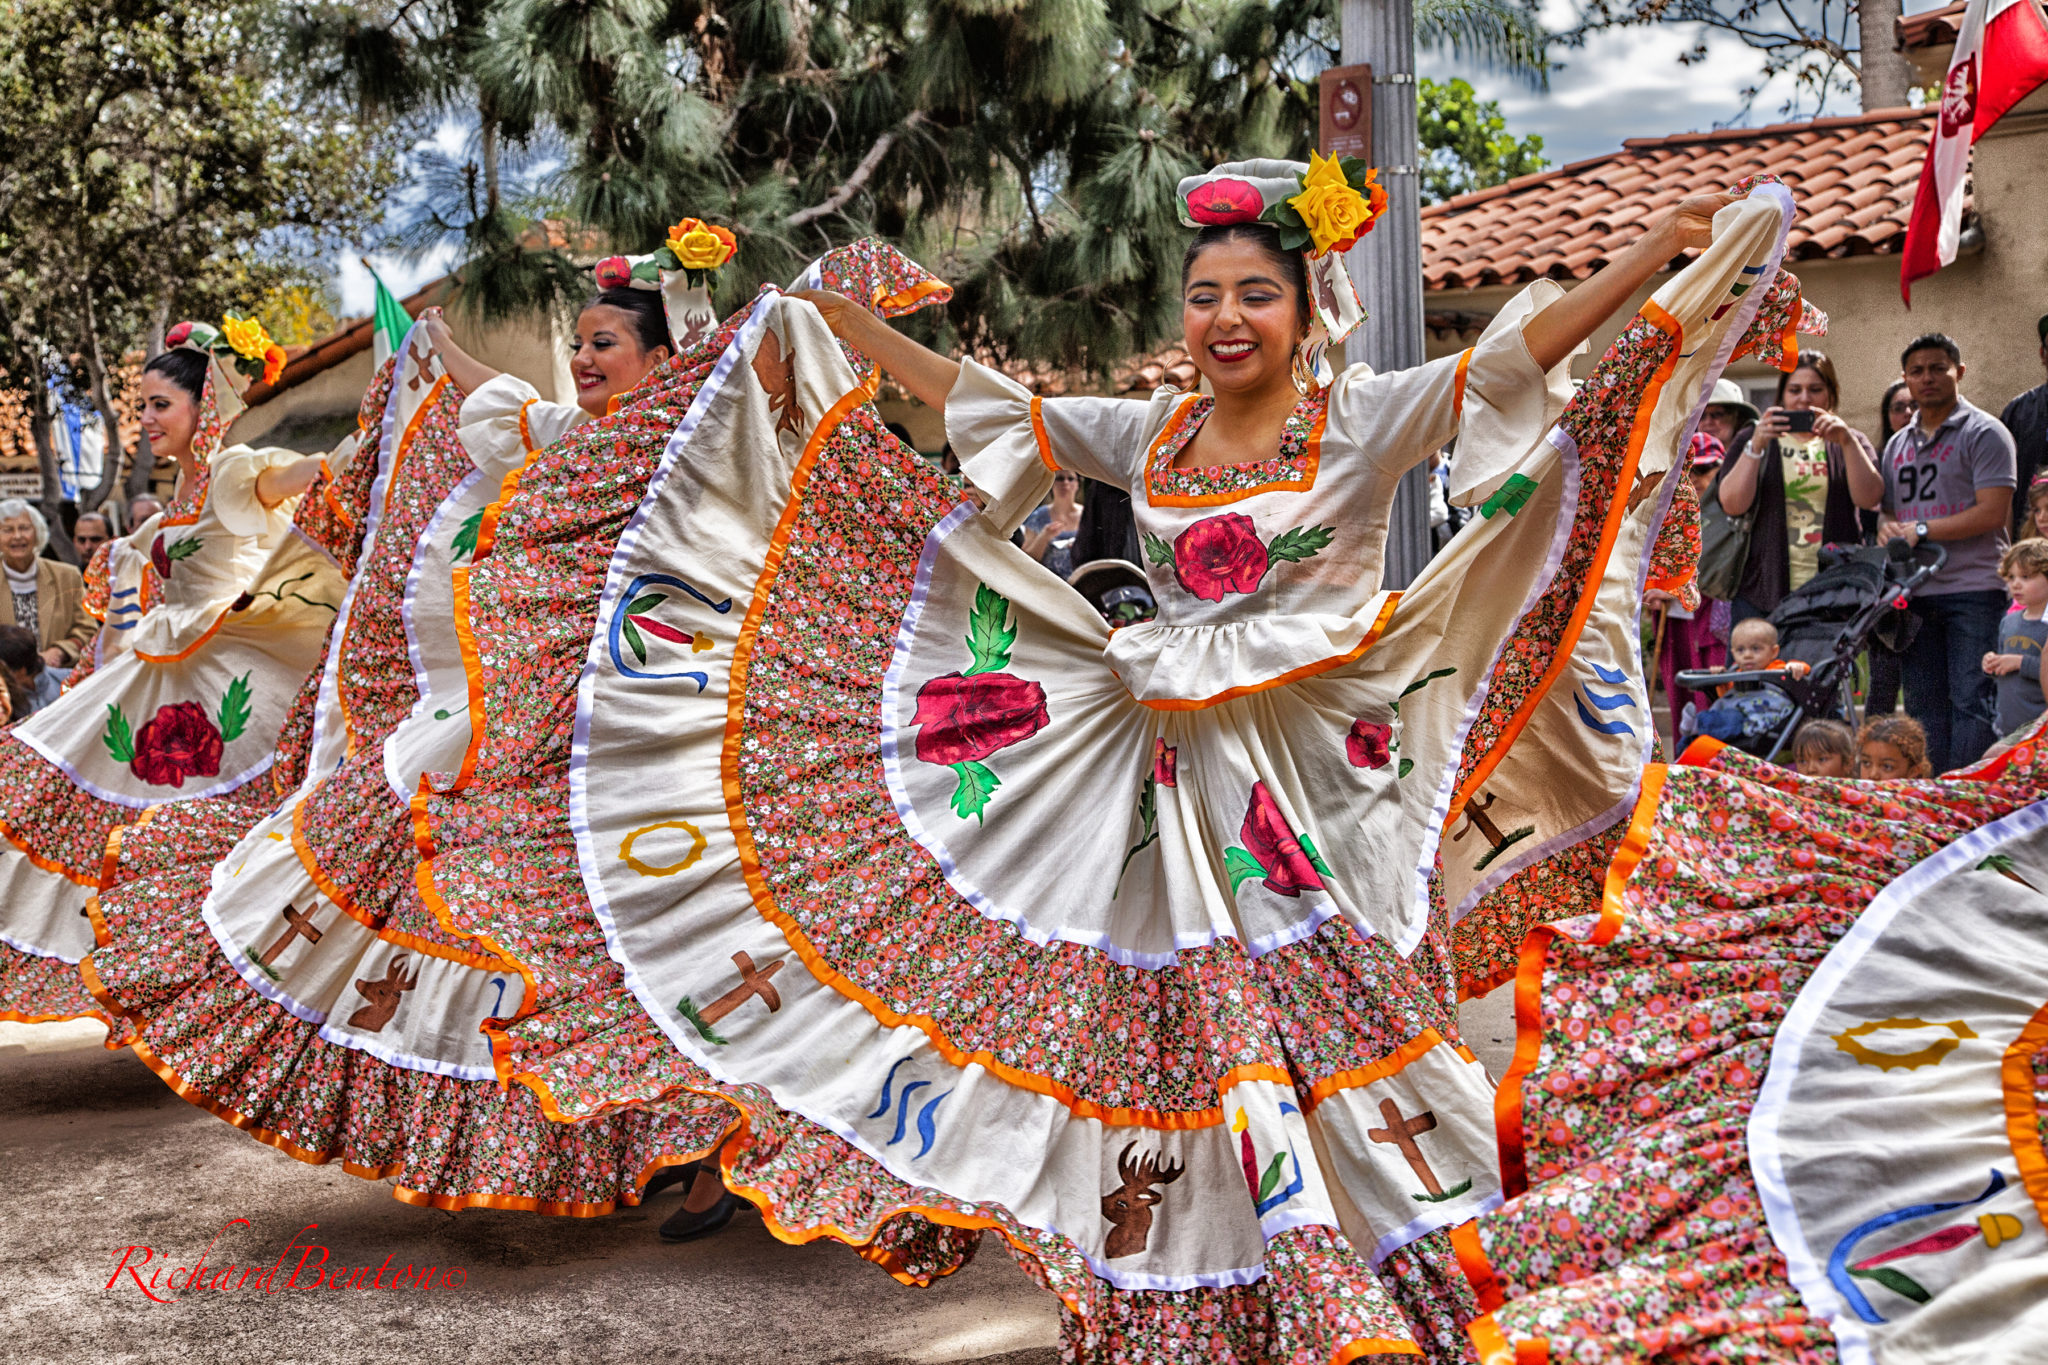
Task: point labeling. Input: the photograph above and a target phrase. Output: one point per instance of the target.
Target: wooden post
(1387, 265)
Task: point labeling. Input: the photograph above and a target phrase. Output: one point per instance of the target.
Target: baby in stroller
(1800, 665)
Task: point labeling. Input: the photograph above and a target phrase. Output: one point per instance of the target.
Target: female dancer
(1178, 1042)
(212, 621)
(286, 974)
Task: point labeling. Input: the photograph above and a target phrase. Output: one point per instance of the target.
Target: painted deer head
(383, 996)
(1129, 1206)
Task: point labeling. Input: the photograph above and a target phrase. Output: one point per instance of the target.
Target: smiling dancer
(213, 616)
(1199, 1066)
(292, 975)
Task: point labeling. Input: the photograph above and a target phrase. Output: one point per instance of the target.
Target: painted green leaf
(646, 602)
(1148, 802)
(118, 738)
(1426, 680)
(234, 709)
(1157, 550)
(466, 534)
(1897, 1281)
(688, 1010)
(1997, 862)
(1241, 866)
(183, 549)
(1510, 497)
(1315, 859)
(1271, 1178)
(1407, 767)
(1452, 1193)
(1303, 542)
(634, 642)
(977, 785)
(989, 632)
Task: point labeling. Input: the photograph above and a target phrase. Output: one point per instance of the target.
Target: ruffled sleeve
(506, 420)
(231, 490)
(1493, 398)
(1010, 443)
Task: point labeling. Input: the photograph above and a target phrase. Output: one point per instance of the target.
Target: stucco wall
(313, 413)
(1988, 300)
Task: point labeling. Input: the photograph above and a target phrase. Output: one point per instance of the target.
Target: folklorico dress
(1782, 1092)
(279, 965)
(1133, 946)
(213, 612)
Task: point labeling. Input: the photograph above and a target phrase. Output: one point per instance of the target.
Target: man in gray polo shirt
(1947, 477)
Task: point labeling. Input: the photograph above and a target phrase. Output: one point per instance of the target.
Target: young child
(2016, 663)
(1894, 749)
(1825, 748)
(1753, 645)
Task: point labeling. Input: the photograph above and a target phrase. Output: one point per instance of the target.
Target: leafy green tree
(1466, 144)
(159, 162)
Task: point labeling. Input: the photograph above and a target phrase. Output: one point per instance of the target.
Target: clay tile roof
(1930, 28)
(1854, 178)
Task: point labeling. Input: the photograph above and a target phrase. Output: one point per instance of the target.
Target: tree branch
(862, 173)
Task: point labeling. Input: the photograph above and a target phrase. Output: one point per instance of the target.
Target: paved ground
(99, 1156)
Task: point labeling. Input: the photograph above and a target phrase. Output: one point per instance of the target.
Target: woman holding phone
(1794, 475)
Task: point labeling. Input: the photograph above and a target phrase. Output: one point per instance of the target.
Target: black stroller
(1861, 593)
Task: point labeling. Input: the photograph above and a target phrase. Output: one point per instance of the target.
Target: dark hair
(18, 650)
(1818, 362)
(186, 369)
(1932, 341)
(1884, 408)
(1818, 737)
(1266, 238)
(650, 320)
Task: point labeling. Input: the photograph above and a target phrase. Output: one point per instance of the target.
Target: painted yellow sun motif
(1848, 1040)
(648, 869)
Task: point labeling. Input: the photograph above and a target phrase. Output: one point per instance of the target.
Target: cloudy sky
(1622, 84)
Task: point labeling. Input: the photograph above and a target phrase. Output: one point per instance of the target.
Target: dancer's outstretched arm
(283, 481)
(924, 372)
(1558, 330)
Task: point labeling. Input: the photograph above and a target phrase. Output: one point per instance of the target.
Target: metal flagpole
(1387, 265)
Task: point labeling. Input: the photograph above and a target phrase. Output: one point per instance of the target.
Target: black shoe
(685, 1226)
(669, 1176)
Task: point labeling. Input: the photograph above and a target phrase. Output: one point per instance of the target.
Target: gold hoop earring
(1304, 377)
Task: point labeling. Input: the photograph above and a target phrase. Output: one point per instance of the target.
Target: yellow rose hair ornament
(681, 268)
(1320, 209)
(240, 353)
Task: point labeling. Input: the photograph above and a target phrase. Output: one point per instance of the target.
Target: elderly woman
(42, 595)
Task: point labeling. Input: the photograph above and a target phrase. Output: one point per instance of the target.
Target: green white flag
(390, 319)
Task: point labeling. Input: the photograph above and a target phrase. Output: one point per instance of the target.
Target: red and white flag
(2001, 55)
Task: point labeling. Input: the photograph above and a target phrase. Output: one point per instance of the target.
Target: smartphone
(1801, 421)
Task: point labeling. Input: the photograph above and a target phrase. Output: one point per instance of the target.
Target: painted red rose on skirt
(1369, 744)
(1290, 868)
(180, 741)
(1226, 201)
(1218, 556)
(1165, 763)
(963, 719)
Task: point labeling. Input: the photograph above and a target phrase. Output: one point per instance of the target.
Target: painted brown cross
(421, 375)
(1401, 1132)
(383, 996)
(752, 983)
(1645, 486)
(1129, 1206)
(1477, 818)
(297, 924)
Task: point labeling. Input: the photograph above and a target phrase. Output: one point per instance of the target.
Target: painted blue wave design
(927, 1130)
(903, 1109)
(1607, 703)
(1610, 675)
(1605, 727)
(888, 1082)
(618, 621)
